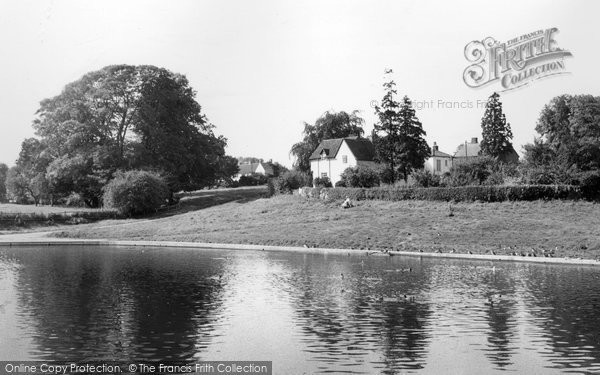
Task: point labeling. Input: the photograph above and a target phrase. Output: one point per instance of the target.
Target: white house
(334, 156)
(439, 162)
(251, 168)
(467, 151)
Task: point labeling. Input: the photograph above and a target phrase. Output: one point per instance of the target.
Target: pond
(308, 313)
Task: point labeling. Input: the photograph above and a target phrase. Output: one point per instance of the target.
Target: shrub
(589, 184)
(340, 183)
(424, 178)
(495, 178)
(74, 200)
(271, 186)
(135, 192)
(551, 174)
(288, 182)
(253, 179)
(538, 175)
(360, 176)
(472, 172)
(386, 175)
(227, 183)
(322, 182)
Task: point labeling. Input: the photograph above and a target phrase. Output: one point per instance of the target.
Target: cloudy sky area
(262, 68)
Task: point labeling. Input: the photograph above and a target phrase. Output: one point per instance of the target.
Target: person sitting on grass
(347, 203)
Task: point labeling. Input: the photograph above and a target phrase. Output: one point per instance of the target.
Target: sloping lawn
(569, 227)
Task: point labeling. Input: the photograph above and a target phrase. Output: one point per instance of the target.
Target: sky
(263, 68)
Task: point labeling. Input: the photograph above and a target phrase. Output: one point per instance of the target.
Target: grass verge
(569, 228)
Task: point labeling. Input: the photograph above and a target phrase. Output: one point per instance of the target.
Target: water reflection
(84, 304)
(308, 313)
(564, 306)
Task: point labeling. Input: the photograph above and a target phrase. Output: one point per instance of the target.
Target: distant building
(439, 162)
(263, 168)
(472, 150)
(334, 156)
(467, 151)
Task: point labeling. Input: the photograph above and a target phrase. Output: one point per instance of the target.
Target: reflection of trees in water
(500, 310)
(565, 303)
(97, 303)
(404, 335)
(346, 319)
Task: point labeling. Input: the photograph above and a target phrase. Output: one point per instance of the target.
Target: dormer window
(324, 153)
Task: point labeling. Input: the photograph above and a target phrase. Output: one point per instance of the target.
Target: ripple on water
(323, 314)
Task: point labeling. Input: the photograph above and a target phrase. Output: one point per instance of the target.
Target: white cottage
(439, 162)
(334, 156)
(246, 169)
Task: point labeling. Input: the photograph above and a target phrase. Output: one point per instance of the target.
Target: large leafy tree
(329, 125)
(398, 137)
(27, 179)
(496, 141)
(569, 134)
(124, 117)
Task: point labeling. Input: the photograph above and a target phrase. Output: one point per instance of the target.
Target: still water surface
(308, 313)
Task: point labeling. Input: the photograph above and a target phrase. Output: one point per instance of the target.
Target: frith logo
(515, 63)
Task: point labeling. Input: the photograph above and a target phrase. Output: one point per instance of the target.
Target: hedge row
(58, 216)
(484, 193)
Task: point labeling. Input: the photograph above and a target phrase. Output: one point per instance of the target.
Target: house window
(345, 159)
(438, 165)
(324, 174)
(445, 163)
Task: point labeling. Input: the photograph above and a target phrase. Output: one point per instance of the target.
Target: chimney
(435, 146)
(474, 140)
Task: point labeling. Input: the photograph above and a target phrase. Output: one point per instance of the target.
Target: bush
(253, 179)
(538, 175)
(288, 182)
(484, 193)
(555, 174)
(473, 172)
(360, 176)
(340, 183)
(424, 178)
(495, 178)
(322, 182)
(589, 184)
(135, 192)
(386, 175)
(74, 200)
(227, 183)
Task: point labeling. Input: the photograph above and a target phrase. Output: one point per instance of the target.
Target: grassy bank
(570, 228)
(19, 217)
(22, 217)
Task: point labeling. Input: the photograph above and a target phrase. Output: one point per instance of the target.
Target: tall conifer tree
(398, 136)
(495, 130)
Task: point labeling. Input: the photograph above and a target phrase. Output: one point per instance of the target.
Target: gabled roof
(440, 154)
(269, 170)
(247, 168)
(361, 148)
(330, 146)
